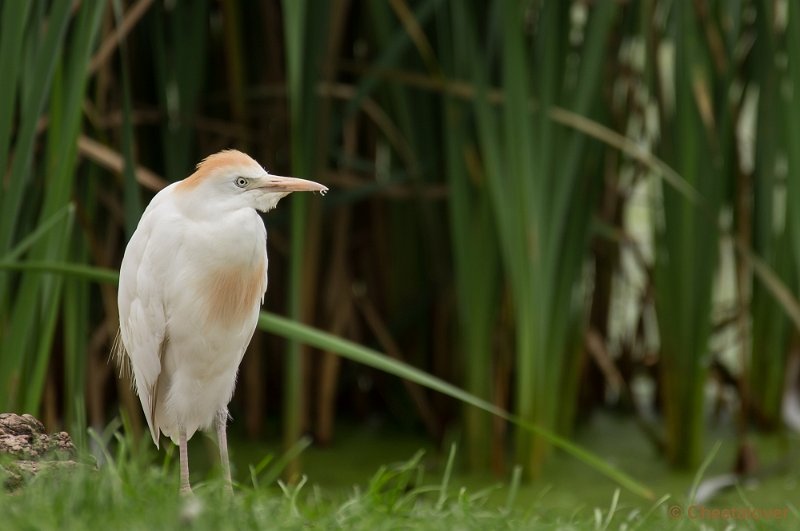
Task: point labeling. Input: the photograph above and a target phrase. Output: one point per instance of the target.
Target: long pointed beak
(278, 183)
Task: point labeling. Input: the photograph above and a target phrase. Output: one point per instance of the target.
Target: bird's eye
(241, 182)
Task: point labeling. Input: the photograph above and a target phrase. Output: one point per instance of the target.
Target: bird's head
(231, 180)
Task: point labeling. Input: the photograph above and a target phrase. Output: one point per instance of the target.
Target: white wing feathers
(142, 318)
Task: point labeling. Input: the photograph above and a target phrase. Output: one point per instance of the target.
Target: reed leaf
(14, 22)
(790, 109)
(25, 354)
(687, 239)
(542, 222)
(474, 242)
(132, 201)
(302, 38)
(180, 37)
(355, 352)
(65, 119)
(34, 85)
(771, 235)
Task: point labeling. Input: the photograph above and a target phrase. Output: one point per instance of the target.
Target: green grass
(132, 496)
(127, 494)
(376, 479)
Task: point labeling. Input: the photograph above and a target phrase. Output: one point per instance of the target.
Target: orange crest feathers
(212, 164)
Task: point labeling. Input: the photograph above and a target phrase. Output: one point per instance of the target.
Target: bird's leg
(184, 458)
(222, 441)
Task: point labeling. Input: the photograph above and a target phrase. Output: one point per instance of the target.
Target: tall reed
(790, 98)
(304, 39)
(771, 226)
(476, 261)
(542, 179)
(696, 134)
(55, 80)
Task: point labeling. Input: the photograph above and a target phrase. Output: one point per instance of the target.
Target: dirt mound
(26, 449)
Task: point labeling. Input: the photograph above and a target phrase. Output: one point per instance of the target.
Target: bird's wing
(141, 307)
(266, 268)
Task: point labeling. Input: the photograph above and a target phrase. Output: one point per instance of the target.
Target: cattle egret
(191, 283)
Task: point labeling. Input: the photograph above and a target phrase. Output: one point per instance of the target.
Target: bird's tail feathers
(120, 356)
(153, 433)
(150, 414)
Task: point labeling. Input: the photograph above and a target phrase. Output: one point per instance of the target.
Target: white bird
(191, 283)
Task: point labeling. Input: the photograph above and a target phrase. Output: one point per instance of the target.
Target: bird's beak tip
(293, 184)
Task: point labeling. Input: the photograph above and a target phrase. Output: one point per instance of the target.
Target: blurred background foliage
(559, 206)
